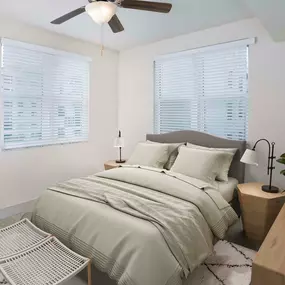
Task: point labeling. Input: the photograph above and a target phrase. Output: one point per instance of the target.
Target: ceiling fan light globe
(101, 12)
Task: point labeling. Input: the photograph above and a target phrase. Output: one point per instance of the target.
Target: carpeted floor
(237, 236)
(13, 219)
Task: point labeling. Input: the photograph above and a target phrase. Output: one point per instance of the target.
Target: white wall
(266, 87)
(25, 173)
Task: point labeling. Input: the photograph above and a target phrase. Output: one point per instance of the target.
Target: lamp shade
(119, 142)
(249, 157)
(101, 12)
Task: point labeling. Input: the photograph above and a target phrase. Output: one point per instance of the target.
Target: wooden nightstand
(259, 210)
(111, 164)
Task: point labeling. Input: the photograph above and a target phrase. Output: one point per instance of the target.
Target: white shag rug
(230, 264)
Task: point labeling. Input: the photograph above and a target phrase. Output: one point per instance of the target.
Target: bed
(140, 225)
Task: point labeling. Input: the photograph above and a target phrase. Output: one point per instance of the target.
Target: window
(204, 90)
(44, 95)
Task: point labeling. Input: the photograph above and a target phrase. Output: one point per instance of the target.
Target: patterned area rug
(230, 264)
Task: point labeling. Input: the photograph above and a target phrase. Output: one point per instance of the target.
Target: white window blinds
(44, 95)
(204, 90)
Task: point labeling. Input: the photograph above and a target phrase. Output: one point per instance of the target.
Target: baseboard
(17, 209)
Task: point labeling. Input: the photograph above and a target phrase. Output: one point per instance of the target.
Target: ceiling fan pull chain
(102, 39)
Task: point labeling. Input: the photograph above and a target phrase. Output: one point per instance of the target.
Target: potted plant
(282, 161)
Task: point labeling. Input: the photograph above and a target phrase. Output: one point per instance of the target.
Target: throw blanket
(173, 203)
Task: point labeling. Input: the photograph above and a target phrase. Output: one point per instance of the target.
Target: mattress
(227, 188)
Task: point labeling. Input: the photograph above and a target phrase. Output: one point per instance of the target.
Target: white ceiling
(140, 27)
(271, 15)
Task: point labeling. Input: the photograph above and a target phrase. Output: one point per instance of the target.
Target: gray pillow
(201, 164)
(151, 155)
(173, 152)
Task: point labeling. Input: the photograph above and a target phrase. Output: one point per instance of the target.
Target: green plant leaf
(281, 160)
(283, 155)
(283, 172)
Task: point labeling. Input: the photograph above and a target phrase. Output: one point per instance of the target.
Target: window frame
(59, 54)
(191, 52)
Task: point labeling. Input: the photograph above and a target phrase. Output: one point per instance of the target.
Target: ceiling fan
(104, 11)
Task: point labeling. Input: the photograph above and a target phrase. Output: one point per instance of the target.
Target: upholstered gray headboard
(237, 168)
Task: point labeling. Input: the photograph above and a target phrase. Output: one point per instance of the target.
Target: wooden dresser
(269, 264)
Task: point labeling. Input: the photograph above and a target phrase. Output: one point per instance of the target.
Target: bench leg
(89, 269)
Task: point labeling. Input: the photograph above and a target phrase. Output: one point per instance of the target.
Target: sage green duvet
(142, 226)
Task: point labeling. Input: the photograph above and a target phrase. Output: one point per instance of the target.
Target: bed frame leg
(89, 269)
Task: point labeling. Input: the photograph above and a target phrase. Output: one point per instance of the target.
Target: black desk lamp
(250, 157)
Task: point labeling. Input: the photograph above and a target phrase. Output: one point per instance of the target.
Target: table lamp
(119, 143)
(250, 157)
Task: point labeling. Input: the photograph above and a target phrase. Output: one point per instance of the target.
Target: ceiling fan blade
(115, 24)
(147, 6)
(68, 16)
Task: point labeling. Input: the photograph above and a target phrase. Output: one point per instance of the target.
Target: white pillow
(151, 155)
(227, 188)
(201, 164)
(173, 152)
(224, 171)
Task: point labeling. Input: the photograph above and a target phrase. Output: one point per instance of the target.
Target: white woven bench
(20, 237)
(34, 257)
